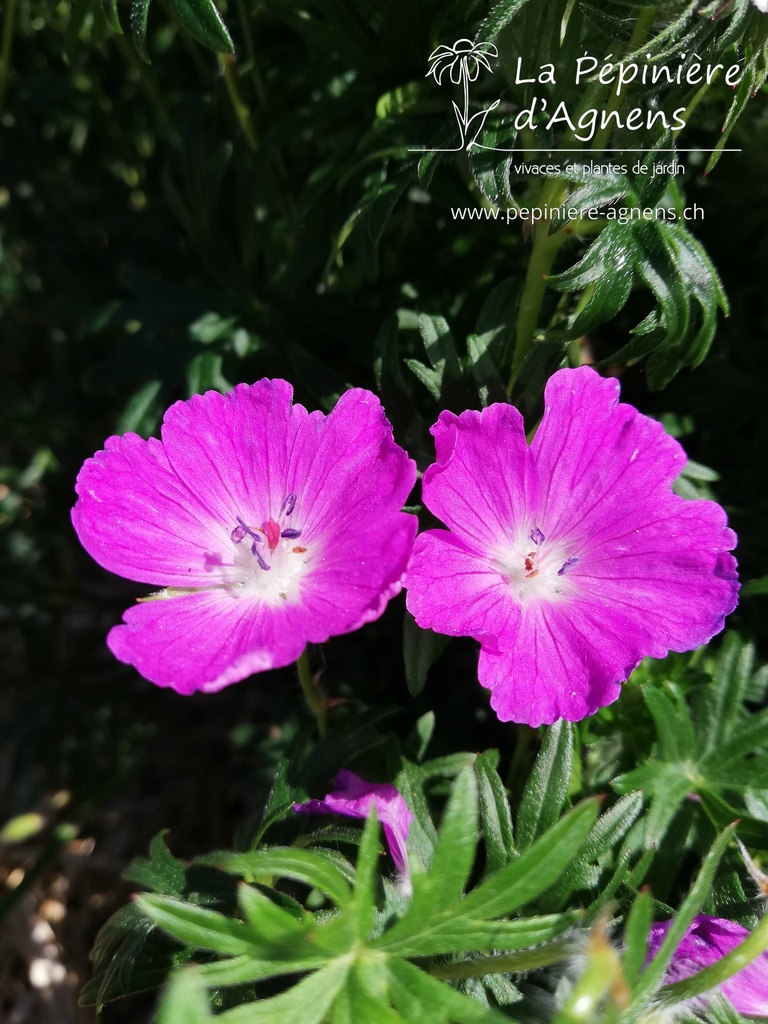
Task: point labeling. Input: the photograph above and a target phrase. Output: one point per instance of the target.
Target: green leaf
(272, 924)
(602, 301)
(201, 19)
(440, 346)
(197, 926)
(247, 968)
(655, 264)
(185, 1000)
(598, 190)
(138, 22)
(535, 870)
(608, 830)
(651, 978)
(420, 649)
(547, 787)
(141, 410)
(751, 735)
(673, 725)
(160, 872)
(421, 998)
(286, 862)
(495, 814)
(431, 379)
(496, 320)
(498, 18)
(305, 1003)
(720, 707)
(129, 956)
(609, 252)
(365, 880)
(454, 850)
(109, 8)
(484, 370)
(636, 932)
(667, 785)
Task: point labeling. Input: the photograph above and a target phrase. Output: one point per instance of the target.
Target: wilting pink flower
(706, 941)
(569, 560)
(268, 526)
(354, 796)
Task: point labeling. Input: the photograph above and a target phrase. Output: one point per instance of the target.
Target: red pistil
(272, 531)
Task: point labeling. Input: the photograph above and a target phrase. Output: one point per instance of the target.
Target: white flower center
(268, 560)
(536, 569)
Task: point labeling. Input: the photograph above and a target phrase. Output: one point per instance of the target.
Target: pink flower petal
(600, 460)
(708, 940)
(454, 591)
(277, 525)
(354, 797)
(136, 517)
(207, 640)
(484, 479)
(571, 560)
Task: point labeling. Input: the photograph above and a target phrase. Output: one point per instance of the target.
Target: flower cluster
(268, 527)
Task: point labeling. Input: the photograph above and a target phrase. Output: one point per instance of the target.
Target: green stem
(545, 247)
(241, 109)
(505, 963)
(313, 696)
(5, 52)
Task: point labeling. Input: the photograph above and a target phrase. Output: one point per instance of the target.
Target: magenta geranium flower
(354, 797)
(569, 560)
(706, 941)
(268, 526)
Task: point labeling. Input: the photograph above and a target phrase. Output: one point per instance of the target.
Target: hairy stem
(504, 963)
(313, 696)
(241, 109)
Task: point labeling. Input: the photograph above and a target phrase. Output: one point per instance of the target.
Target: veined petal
(207, 640)
(353, 582)
(454, 591)
(484, 482)
(562, 666)
(351, 471)
(274, 527)
(238, 450)
(679, 563)
(600, 463)
(708, 940)
(138, 519)
(582, 535)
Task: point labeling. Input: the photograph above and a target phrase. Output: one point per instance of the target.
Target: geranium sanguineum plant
(267, 527)
(708, 940)
(571, 559)
(354, 798)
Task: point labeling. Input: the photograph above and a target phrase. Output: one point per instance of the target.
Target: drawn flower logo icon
(462, 61)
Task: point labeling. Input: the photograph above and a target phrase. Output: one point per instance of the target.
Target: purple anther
(237, 535)
(537, 536)
(259, 559)
(567, 565)
(289, 504)
(291, 534)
